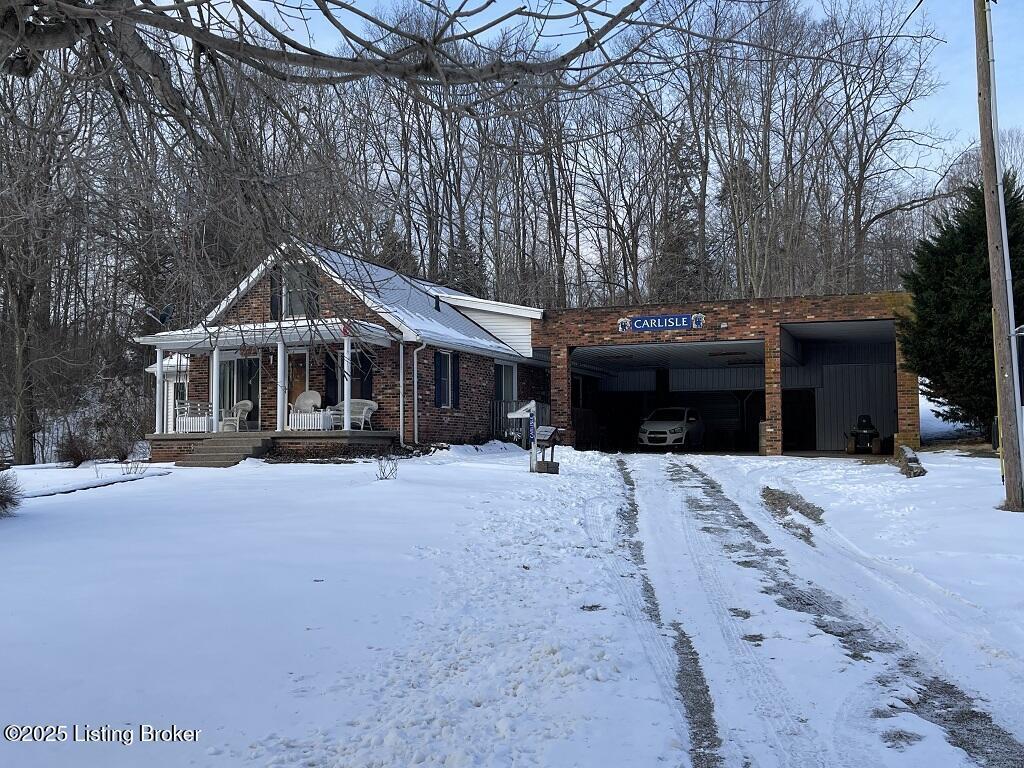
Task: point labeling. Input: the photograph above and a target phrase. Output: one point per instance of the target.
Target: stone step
(224, 454)
(206, 462)
(236, 441)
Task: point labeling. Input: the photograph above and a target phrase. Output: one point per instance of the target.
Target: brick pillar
(773, 391)
(908, 415)
(199, 377)
(561, 392)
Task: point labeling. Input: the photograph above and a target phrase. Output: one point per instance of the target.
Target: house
(439, 365)
(432, 359)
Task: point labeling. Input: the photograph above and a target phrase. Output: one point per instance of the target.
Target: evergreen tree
(948, 340)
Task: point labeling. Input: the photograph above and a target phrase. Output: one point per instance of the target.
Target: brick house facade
(416, 320)
(465, 419)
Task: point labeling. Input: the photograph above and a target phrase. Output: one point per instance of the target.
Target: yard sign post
(529, 411)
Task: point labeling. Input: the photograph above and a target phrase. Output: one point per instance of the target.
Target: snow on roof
(292, 331)
(173, 363)
(415, 306)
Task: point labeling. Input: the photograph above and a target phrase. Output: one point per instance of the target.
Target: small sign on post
(529, 411)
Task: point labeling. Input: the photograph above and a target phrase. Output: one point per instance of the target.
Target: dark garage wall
(848, 380)
(711, 379)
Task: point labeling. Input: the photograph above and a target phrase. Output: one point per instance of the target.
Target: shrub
(387, 467)
(76, 448)
(10, 493)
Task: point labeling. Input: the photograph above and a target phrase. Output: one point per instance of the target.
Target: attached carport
(832, 372)
(804, 367)
(616, 386)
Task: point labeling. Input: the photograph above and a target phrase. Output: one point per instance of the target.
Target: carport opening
(832, 373)
(616, 387)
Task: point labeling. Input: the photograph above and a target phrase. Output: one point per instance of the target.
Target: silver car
(672, 427)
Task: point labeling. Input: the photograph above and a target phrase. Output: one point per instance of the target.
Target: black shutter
(455, 379)
(438, 379)
(499, 382)
(275, 294)
(330, 380)
(367, 363)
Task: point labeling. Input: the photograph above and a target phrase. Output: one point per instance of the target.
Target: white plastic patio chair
(362, 411)
(236, 418)
(307, 402)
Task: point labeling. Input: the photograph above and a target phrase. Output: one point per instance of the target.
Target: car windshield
(668, 414)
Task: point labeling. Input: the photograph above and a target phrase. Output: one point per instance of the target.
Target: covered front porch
(277, 379)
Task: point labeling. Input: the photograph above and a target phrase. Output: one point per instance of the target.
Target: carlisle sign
(662, 323)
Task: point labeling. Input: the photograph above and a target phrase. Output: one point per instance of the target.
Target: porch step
(225, 451)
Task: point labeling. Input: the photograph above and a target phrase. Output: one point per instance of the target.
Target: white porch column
(161, 408)
(347, 424)
(282, 386)
(215, 387)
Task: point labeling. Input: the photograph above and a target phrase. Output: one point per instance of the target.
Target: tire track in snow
(669, 650)
(707, 512)
(917, 690)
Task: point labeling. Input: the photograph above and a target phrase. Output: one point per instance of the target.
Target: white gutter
(416, 394)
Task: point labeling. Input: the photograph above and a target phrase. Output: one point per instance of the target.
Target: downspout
(416, 394)
(401, 394)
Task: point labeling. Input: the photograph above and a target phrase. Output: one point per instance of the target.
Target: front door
(247, 387)
(298, 375)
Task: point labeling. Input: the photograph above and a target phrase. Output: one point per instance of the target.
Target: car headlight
(677, 430)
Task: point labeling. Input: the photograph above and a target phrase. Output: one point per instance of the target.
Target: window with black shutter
(443, 379)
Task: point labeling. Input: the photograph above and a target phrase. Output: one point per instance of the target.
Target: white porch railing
(317, 420)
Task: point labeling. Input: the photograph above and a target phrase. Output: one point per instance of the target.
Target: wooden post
(999, 265)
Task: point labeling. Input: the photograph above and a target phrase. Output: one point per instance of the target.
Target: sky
(952, 111)
(955, 107)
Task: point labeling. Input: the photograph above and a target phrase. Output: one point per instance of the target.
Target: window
(334, 377)
(293, 292)
(446, 379)
(668, 414)
(504, 382)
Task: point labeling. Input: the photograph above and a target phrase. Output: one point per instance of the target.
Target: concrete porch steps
(226, 450)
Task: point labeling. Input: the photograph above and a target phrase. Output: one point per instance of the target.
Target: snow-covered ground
(49, 479)
(313, 615)
(633, 610)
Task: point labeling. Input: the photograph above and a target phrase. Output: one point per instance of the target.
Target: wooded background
(688, 150)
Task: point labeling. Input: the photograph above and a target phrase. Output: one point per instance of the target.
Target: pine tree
(948, 340)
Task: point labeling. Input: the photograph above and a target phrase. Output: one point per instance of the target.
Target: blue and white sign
(661, 323)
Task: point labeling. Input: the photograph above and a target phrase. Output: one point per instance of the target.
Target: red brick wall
(335, 301)
(562, 330)
(171, 449)
(534, 383)
(199, 377)
(471, 421)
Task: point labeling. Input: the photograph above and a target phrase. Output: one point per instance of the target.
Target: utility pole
(1004, 331)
